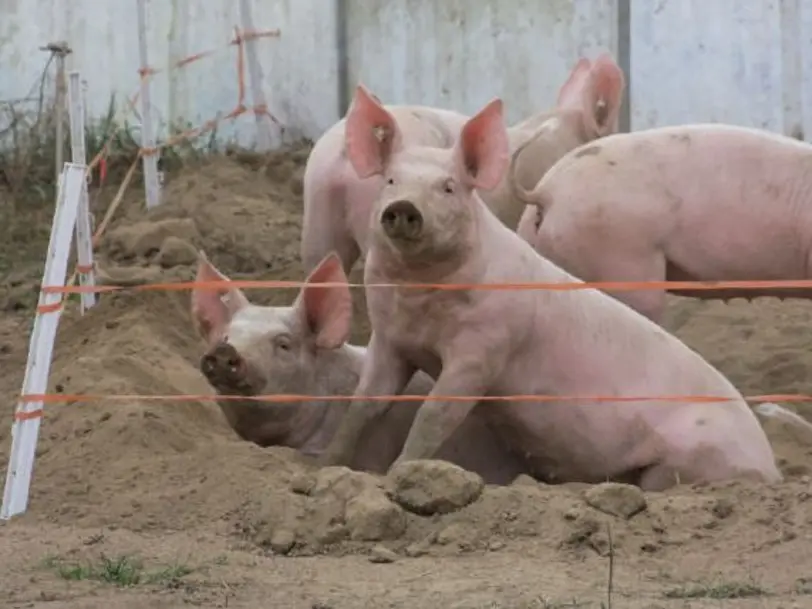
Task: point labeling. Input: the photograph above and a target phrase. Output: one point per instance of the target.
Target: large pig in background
(302, 350)
(705, 202)
(337, 203)
(430, 226)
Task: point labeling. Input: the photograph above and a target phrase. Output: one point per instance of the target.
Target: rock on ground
(429, 487)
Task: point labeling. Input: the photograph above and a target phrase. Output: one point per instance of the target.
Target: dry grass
(28, 151)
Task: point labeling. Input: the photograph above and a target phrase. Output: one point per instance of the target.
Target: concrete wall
(460, 53)
(689, 60)
(299, 67)
(722, 61)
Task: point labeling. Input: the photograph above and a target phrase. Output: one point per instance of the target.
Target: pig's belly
(752, 246)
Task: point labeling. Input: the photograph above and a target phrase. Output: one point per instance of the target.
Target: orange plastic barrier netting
(100, 159)
(240, 108)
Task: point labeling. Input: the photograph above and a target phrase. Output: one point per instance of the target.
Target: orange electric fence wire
(240, 108)
(566, 286)
(51, 398)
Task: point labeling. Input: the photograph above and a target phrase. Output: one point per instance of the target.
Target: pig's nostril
(208, 362)
(222, 359)
(402, 217)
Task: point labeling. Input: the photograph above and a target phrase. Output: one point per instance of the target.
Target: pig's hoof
(432, 486)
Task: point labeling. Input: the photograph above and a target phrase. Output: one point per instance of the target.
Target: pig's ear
(212, 310)
(371, 134)
(603, 96)
(482, 151)
(327, 311)
(571, 93)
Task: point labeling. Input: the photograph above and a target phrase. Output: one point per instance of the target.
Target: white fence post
(25, 429)
(150, 157)
(255, 76)
(84, 242)
(61, 51)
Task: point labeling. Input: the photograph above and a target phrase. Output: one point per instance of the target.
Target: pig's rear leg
(324, 235)
(665, 475)
(650, 303)
(611, 263)
(325, 229)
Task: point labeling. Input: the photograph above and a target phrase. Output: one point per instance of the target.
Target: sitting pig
(301, 349)
(688, 203)
(338, 203)
(431, 227)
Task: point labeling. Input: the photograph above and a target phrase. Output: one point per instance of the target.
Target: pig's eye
(282, 342)
(390, 181)
(448, 186)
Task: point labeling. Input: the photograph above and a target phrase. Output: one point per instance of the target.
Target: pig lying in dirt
(338, 204)
(432, 227)
(695, 202)
(301, 349)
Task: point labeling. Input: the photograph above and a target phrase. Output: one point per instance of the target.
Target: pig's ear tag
(601, 111)
(381, 133)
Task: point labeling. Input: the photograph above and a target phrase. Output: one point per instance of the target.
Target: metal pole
(624, 58)
(342, 56)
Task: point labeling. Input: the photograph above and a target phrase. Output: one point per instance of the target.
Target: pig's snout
(402, 220)
(223, 366)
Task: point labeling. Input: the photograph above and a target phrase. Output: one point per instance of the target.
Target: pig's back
(741, 210)
(703, 191)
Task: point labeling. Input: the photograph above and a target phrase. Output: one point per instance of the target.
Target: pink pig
(689, 203)
(302, 349)
(338, 203)
(430, 226)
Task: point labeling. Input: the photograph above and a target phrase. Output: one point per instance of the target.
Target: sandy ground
(151, 504)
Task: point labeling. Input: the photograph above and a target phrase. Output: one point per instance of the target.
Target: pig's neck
(336, 373)
(573, 120)
(386, 264)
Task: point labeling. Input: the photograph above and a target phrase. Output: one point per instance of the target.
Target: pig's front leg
(384, 372)
(437, 419)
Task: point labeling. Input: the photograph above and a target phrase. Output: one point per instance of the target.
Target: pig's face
(262, 351)
(428, 208)
(424, 210)
(254, 350)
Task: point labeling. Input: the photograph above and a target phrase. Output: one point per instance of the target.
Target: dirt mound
(244, 211)
(335, 510)
(132, 457)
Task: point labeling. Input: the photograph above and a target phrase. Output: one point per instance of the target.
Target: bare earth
(139, 504)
